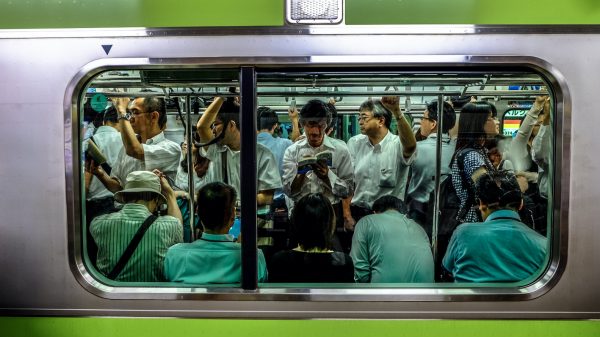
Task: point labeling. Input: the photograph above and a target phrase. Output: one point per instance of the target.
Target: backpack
(449, 208)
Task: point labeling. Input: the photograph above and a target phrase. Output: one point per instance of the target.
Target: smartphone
(293, 104)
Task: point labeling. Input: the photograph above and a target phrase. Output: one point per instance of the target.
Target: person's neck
(144, 136)
(234, 146)
(220, 231)
(378, 136)
(266, 131)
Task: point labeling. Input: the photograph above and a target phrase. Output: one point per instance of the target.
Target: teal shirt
(501, 249)
(113, 233)
(211, 259)
(391, 248)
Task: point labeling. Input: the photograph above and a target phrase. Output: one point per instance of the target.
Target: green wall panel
(367, 12)
(139, 13)
(204, 13)
(92, 327)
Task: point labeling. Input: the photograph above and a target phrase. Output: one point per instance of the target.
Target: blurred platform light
(314, 11)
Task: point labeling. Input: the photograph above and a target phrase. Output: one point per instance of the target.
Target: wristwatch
(125, 116)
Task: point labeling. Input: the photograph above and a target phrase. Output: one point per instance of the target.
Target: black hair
(151, 104)
(111, 115)
(266, 118)
(388, 202)
(313, 221)
(449, 115)
(214, 205)
(499, 190)
(378, 109)
(313, 109)
(472, 122)
(459, 101)
(229, 111)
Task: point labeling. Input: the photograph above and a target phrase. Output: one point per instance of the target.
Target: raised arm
(133, 147)
(169, 194)
(203, 127)
(294, 119)
(407, 138)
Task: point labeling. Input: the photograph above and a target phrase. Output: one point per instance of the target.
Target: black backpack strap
(131, 248)
(224, 167)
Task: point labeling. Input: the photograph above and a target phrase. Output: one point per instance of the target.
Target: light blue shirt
(500, 249)
(389, 247)
(277, 146)
(214, 258)
(423, 168)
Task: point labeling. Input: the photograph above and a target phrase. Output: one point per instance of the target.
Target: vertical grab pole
(190, 164)
(438, 171)
(248, 170)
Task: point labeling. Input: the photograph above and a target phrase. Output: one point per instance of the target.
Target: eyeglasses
(215, 124)
(429, 119)
(365, 118)
(137, 113)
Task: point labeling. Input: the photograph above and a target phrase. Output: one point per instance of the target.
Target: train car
(62, 63)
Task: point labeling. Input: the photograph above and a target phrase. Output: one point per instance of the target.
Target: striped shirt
(113, 232)
(159, 153)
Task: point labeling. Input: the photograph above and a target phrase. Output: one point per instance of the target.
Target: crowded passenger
(332, 175)
(132, 242)
(219, 132)
(389, 247)
(313, 260)
(216, 256)
(501, 248)
(470, 159)
(145, 147)
(422, 181)
(107, 139)
(381, 159)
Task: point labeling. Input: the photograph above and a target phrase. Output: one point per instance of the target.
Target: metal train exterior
(44, 77)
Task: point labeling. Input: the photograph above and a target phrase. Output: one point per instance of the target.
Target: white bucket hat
(140, 181)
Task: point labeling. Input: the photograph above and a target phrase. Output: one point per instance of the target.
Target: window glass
(139, 159)
(350, 166)
(366, 153)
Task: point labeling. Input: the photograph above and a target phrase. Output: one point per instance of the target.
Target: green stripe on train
(161, 327)
(19, 14)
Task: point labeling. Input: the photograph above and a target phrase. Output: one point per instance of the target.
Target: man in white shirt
(381, 159)
(335, 181)
(145, 147)
(219, 125)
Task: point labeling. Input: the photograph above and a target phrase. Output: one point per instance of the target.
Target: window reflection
(375, 159)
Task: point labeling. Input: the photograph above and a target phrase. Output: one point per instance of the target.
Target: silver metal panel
(40, 75)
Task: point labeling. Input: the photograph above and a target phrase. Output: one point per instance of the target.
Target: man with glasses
(334, 179)
(381, 159)
(423, 168)
(145, 147)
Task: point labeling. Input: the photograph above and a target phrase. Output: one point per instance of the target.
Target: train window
(365, 178)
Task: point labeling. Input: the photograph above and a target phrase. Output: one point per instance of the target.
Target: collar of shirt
(264, 136)
(327, 143)
(156, 139)
(135, 209)
(217, 237)
(433, 136)
(503, 213)
(378, 147)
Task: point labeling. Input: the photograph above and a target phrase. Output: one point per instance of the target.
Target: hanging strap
(131, 248)
(224, 166)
